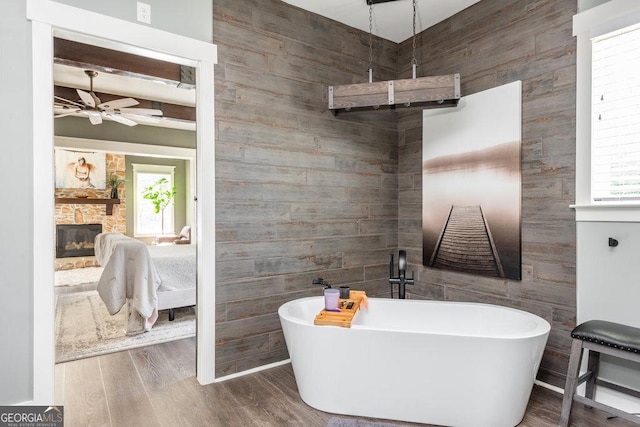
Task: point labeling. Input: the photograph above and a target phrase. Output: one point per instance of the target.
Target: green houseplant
(114, 182)
(161, 195)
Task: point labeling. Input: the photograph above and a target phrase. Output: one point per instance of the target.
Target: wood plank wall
(300, 194)
(492, 43)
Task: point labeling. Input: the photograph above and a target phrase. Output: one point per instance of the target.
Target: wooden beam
(169, 110)
(79, 52)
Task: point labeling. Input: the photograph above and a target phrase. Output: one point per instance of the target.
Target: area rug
(78, 276)
(84, 328)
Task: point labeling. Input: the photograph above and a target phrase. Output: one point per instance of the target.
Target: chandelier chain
(414, 61)
(371, 36)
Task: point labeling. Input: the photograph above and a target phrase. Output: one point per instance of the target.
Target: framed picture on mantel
(80, 169)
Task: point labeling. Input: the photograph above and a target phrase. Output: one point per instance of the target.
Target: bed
(144, 279)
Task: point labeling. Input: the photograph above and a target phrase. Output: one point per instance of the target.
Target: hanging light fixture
(434, 91)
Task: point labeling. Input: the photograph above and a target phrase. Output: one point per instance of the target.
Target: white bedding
(176, 265)
(144, 278)
(129, 276)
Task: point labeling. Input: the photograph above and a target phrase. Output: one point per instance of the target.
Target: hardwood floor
(156, 386)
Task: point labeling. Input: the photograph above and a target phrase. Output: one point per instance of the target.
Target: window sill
(608, 213)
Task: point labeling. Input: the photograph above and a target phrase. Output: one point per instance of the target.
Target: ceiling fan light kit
(117, 110)
(426, 92)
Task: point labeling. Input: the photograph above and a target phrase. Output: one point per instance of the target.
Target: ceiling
(122, 75)
(392, 20)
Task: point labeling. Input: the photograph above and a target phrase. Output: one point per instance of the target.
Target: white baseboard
(549, 386)
(27, 403)
(253, 370)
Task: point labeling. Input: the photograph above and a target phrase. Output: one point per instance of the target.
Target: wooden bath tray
(346, 315)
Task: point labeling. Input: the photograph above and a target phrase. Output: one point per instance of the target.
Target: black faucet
(402, 279)
(321, 281)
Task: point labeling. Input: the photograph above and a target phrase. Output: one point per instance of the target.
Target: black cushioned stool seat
(598, 336)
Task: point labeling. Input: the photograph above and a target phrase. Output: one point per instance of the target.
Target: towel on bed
(129, 273)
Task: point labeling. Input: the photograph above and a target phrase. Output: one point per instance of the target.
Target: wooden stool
(598, 337)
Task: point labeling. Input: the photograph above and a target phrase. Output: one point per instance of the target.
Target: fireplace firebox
(74, 240)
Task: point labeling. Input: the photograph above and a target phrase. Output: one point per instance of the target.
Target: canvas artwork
(471, 184)
(79, 169)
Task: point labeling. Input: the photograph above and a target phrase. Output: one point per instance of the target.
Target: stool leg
(573, 372)
(593, 367)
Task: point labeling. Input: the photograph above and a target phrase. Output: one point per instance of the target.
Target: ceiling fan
(117, 110)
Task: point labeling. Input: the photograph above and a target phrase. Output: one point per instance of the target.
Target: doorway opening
(52, 19)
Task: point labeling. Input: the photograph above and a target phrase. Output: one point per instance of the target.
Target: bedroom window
(615, 122)
(147, 222)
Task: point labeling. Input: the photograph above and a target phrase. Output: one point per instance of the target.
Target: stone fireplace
(82, 207)
(76, 240)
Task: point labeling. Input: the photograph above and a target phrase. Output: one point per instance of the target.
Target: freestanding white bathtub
(444, 363)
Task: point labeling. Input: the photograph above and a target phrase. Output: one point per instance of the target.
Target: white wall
(608, 288)
(608, 284)
(588, 4)
(192, 18)
(16, 173)
(17, 213)
(608, 277)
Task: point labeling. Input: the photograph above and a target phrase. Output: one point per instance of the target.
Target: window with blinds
(615, 124)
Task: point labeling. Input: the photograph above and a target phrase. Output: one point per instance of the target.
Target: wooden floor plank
(156, 385)
(284, 389)
(58, 391)
(85, 399)
(181, 355)
(172, 390)
(128, 402)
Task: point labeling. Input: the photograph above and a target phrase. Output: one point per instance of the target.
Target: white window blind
(615, 124)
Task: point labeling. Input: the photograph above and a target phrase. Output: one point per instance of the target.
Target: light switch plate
(144, 12)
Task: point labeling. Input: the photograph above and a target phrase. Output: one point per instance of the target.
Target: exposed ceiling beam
(65, 49)
(173, 111)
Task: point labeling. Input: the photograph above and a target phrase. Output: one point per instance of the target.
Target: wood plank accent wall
(300, 193)
(492, 43)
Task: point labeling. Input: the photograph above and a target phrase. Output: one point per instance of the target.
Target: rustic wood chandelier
(427, 92)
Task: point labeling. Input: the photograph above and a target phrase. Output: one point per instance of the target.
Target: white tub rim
(542, 325)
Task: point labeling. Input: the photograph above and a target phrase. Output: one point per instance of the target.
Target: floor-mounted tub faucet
(402, 279)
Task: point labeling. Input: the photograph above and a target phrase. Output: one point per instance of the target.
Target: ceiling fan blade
(140, 118)
(67, 112)
(94, 117)
(118, 103)
(86, 98)
(77, 104)
(118, 118)
(141, 111)
(62, 108)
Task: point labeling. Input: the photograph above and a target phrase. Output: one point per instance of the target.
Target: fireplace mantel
(80, 200)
